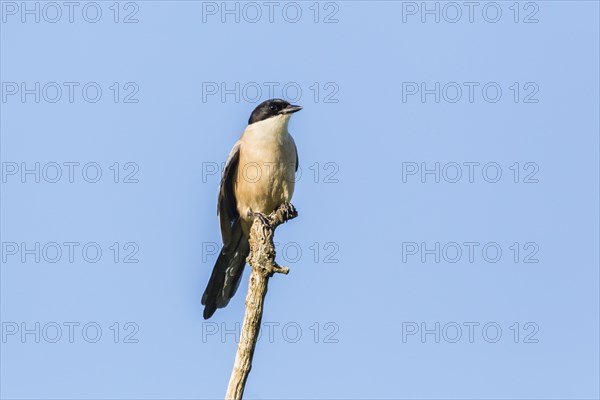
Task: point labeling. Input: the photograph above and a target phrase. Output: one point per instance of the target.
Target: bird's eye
(273, 107)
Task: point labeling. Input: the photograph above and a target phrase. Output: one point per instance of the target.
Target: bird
(259, 176)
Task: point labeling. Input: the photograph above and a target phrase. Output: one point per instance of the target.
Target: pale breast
(266, 172)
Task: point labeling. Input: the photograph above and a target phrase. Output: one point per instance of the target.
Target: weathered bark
(262, 260)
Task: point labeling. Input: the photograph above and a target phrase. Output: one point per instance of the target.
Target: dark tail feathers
(226, 276)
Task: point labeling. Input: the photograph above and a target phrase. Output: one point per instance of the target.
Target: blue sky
(447, 244)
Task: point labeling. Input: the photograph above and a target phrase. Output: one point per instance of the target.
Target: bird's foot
(288, 211)
(262, 217)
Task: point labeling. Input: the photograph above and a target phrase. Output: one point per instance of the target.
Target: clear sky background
(367, 311)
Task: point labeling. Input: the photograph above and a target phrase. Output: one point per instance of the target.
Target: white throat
(275, 126)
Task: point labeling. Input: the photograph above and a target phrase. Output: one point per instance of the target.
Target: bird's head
(273, 108)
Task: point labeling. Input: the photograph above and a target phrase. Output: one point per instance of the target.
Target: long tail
(226, 274)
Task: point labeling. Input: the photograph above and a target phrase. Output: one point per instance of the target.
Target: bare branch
(262, 260)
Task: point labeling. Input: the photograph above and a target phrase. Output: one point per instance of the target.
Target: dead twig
(262, 260)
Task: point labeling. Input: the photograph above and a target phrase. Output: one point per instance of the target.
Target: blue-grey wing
(227, 204)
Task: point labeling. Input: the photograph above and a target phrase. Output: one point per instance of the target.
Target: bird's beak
(291, 109)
